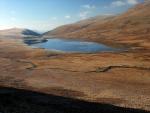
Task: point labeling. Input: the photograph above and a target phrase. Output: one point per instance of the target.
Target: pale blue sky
(43, 15)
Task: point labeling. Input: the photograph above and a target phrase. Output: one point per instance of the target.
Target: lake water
(71, 46)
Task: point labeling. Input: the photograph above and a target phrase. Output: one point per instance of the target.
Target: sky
(44, 15)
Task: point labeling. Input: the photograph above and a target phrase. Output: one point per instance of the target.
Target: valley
(59, 82)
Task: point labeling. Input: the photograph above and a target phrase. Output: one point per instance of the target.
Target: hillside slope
(18, 32)
(83, 24)
(130, 28)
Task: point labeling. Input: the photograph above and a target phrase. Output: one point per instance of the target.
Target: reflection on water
(70, 46)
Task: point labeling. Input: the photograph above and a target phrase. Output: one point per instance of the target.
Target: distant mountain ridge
(131, 28)
(18, 32)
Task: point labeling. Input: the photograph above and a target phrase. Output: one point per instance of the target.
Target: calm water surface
(71, 46)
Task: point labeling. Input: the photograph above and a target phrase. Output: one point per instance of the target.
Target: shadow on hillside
(23, 101)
